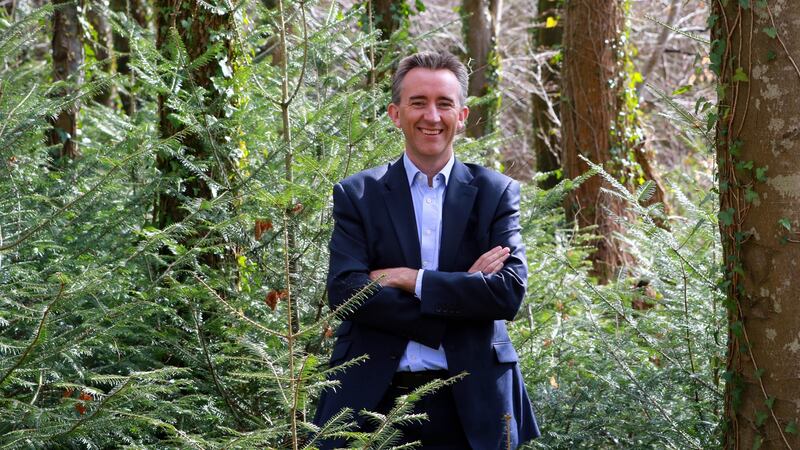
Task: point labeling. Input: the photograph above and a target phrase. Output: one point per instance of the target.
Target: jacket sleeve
(388, 309)
(463, 295)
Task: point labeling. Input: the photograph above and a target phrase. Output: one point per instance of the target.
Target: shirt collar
(412, 170)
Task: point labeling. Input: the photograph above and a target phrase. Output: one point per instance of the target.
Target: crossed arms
(492, 288)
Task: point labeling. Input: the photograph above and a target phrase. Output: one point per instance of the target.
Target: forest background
(165, 209)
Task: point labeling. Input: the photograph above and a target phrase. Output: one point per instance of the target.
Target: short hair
(442, 60)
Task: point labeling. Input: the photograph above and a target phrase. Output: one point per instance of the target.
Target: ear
(394, 114)
(462, 117)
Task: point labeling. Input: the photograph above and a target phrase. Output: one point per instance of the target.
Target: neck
(431, 166)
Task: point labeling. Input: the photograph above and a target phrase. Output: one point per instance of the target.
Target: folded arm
(390, 309)
(479, 295)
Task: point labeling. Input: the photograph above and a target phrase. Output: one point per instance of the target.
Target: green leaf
(684, 89)
(791, 428)
(770, 31)
(759, 373)
(761, 174)
(419, 5)
(770, 401)
(757, 442)
(750, 195)
(726, 217)
(784, 222)
(744, 4)
(771, 55)
(740, 76)
(761, 417)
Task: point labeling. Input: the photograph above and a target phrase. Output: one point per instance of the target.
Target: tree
(103, 47)
(590, 104)
(137, 10)
(198, 42)
(481, 24)
(67, 49)
(544, 104)
(759, 183)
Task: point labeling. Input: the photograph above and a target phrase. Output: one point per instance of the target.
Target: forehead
(428, 83)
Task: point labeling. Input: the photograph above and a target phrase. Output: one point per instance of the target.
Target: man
(442, 238)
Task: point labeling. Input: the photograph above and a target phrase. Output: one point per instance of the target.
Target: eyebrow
(422, 97)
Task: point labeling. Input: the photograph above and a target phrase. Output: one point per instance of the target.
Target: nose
(432, 113)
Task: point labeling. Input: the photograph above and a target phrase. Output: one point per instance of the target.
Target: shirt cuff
(418, 284)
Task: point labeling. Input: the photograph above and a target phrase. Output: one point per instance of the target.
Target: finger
(501, 255)
(489, 256)
(494, 268)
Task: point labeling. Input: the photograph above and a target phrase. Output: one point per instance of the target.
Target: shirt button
(428, 200)
(428, 231)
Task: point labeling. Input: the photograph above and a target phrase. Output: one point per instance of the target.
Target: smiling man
(442, 238)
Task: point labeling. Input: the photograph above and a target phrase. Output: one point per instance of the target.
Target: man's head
(431, 61)
(428, 105)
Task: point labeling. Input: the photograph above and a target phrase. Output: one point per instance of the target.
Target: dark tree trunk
(758, 154)
(589, 107)
(481, 24)
(198, 28)
(67, 60)
(103, 47)
(546, 135)
(137, 10)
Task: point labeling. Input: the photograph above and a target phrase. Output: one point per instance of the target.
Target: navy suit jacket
(465, 312)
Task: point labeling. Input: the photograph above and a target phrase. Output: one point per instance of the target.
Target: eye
(445, 105)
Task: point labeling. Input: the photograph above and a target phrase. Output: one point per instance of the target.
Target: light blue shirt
(428, 202)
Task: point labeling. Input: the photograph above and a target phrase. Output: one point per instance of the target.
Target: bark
(137, 10)
(67, 60)
(103, 47)
(202, 27)
(481, 25)
(589, 107)
(544, 101)
(758, 150)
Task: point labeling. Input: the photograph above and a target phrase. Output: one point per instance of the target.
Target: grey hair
(442, 60)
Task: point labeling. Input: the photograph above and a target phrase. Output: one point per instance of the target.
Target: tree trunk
(481, 24)
(758, 151)
(198, 28)
(137, 10)
(544, 101)
(67, 60)
(103, 47)
(589, 107)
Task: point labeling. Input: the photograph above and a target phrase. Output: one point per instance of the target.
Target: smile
(430, 132)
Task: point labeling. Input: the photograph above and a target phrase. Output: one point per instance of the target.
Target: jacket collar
(458, 201)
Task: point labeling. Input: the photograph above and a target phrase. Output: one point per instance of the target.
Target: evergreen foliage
(117, 333)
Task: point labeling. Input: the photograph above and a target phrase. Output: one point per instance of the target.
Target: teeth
(431, 132)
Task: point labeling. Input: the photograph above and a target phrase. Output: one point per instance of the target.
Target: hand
(397, 277)
(491, 261)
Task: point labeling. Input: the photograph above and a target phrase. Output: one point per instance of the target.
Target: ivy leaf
(770, 31)
(761, 417)
(784, 222)
(771, 55)
(744, 4)
(419, 5)
(750, 196)
(791, 428)
(770, 401)
(726, 217)
(757, 441)
(740, 75)
(761, 174)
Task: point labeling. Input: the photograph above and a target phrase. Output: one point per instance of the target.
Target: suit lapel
(458, 200)
(401, 210)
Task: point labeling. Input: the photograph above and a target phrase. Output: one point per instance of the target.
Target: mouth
(428, 132)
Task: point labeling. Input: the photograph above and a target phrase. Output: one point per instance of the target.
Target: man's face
(429, 114)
